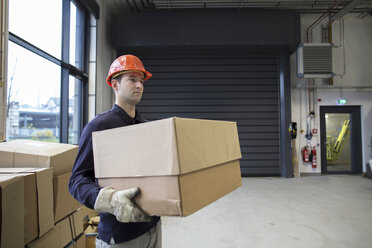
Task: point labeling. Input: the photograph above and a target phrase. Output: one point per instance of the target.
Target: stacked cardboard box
(60, 157)
(181, 165)
(38, 199)
(64, 203)
(31, 153)
(46, 170)
(12, 209)
(68, 232)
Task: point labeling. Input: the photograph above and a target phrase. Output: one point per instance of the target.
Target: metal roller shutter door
(241, 88)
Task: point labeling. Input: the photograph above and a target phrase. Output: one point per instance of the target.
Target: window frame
(68, 69)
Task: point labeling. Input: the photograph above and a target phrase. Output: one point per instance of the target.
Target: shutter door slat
(211, 95)
(208, 102)
(206, 108)
(232, 87)
(212, 68)
(215, 74)
(216, 88)
(213, 116)
(216, 81)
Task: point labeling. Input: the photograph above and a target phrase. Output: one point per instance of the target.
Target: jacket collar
(125, 117)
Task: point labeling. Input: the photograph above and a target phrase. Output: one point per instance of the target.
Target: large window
(48, 69)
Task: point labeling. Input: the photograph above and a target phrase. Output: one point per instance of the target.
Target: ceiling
(360, 7)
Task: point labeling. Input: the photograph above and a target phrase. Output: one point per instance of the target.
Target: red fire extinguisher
(305, 154)
(313, 153)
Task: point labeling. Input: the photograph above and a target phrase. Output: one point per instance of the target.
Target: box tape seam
(72, 225)
(178, 158)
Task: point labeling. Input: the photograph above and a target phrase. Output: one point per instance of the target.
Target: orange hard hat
(126, 63)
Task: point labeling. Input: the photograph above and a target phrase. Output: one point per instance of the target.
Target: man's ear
(114, 84)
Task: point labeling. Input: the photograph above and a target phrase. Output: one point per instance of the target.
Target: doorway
(341, 143)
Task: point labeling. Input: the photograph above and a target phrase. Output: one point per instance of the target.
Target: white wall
(357, 75)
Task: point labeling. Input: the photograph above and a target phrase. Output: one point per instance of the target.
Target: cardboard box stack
(68, 232)
(181, 165)
(61, 157)
(38, 201)
(44, 169)
(31, 153)
(64, 203)
(12, 211)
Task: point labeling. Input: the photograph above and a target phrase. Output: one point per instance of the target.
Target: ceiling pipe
(345, 10)
(306, 7)
(309, 30)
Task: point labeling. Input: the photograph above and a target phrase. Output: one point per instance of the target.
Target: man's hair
(118, 78)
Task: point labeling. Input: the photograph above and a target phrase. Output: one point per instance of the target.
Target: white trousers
(151, 239)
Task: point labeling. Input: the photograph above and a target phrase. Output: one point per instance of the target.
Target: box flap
(30, 206)
(6, 155)
(145, 145)
(205, 143)
(12, 211)
(44, 187)
(63, 162)
(39, 147)
(64, 203)
(59, 236)
(202, 187)
(44, 183)
(77, 222)
(22, 170)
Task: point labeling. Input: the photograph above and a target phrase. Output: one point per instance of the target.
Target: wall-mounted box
(314, 60)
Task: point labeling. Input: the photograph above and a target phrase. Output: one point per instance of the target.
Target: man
(121, 222)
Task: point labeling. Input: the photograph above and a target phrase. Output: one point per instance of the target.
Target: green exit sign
(341, 101)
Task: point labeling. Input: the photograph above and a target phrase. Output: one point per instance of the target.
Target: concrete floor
(313, 211)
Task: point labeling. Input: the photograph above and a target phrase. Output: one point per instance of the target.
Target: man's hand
(120, 204)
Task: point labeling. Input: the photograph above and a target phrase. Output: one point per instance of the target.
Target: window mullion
(64, 121)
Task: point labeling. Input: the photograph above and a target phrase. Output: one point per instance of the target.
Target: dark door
(241, 87)
(341, 139)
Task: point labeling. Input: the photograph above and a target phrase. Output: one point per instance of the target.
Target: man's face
(130, 88)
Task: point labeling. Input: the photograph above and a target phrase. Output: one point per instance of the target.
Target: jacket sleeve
(82, 184)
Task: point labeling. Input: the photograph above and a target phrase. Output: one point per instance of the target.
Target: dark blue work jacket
(83, 185)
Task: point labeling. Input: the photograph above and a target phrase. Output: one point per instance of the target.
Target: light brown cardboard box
(64, 203)
(12, 209)
(77, 222)
(77, 228)
(78, 243)
(91, 233)
(58, 237)
(30, 153)
(90, 240)
(68, 232)
(81, 242)
(180, 165)
(38, 199)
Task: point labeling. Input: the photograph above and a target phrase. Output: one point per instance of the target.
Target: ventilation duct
(314, 60)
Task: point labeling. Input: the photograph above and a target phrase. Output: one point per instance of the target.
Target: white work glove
(120, 204)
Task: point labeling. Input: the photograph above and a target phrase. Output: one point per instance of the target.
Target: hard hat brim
(146, 75)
